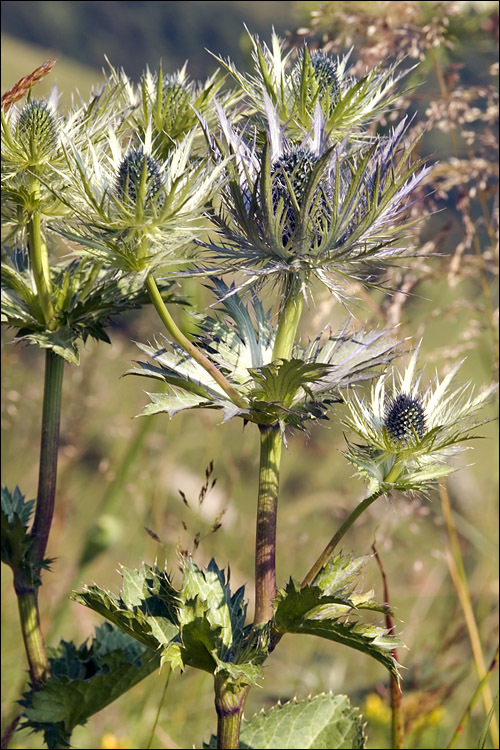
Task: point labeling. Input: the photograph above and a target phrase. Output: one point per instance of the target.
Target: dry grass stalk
(24, 84)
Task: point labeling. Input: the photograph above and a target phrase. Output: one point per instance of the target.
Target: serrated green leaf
(325, 721)
(326, 609)
(86, 679)
(202, 625)
(15, 540)
(279, 381)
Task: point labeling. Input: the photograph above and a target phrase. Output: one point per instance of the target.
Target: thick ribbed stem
(271, 443)
(24, 585)
(189, 347)
(287, 326)
(51, 417)
(32, 633)
(229, 702)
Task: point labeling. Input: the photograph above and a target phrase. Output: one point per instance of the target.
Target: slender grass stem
(397, 716)
(472, 702)
(157, 717)
(189, 347)
(459, 578)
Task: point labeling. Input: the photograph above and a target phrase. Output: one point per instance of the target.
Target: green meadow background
(126, 473)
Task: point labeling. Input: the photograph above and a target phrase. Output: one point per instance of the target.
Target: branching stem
(188, 346)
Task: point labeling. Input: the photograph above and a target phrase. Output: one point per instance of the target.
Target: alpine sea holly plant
(272, 188)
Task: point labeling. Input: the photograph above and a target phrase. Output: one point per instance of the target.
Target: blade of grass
(472, 702)
(459, 578)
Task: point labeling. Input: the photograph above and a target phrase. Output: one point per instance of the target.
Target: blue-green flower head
(405, 419)
(139, 178)
(316, 78)
(294, 211)
(290, 174)
(408, 432)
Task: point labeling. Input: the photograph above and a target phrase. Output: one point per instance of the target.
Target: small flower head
(38, 131)
(314, 78)
(405, 419)
(139, 178)
(294, 211)
(136, 210)
(323, 78)
(409, 433)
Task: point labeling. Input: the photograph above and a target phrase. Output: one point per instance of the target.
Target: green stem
(229, 703)
(189, 347)
(24, 583)
(51, 418)
(32, 634)
(39, 261)
(332, 544)
(287, 326)
(271, 442)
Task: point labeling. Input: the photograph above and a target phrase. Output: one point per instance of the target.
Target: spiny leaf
(15, 541)
(86, 679)
(325, 608)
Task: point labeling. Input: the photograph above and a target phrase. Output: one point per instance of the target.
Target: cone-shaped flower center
(325, 70)
(297, 164)
(405, 419)
(175, 103)
(139, 175)
(325, 73)
(37, 129)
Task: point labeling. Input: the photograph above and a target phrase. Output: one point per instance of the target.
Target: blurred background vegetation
(125, 474)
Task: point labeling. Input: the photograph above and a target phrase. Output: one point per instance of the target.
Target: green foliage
(86, 299)
(324, 721)
(201, 625)
(84, 680)
(325, 608)
(16, 543)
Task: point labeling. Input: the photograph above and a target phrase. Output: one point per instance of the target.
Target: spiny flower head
(37, 130)
(135, 210)
(294, 211)
(139, 178)
(170, 106)
(321, 74)
(405, 419)
(408, 433)
(314, 78)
